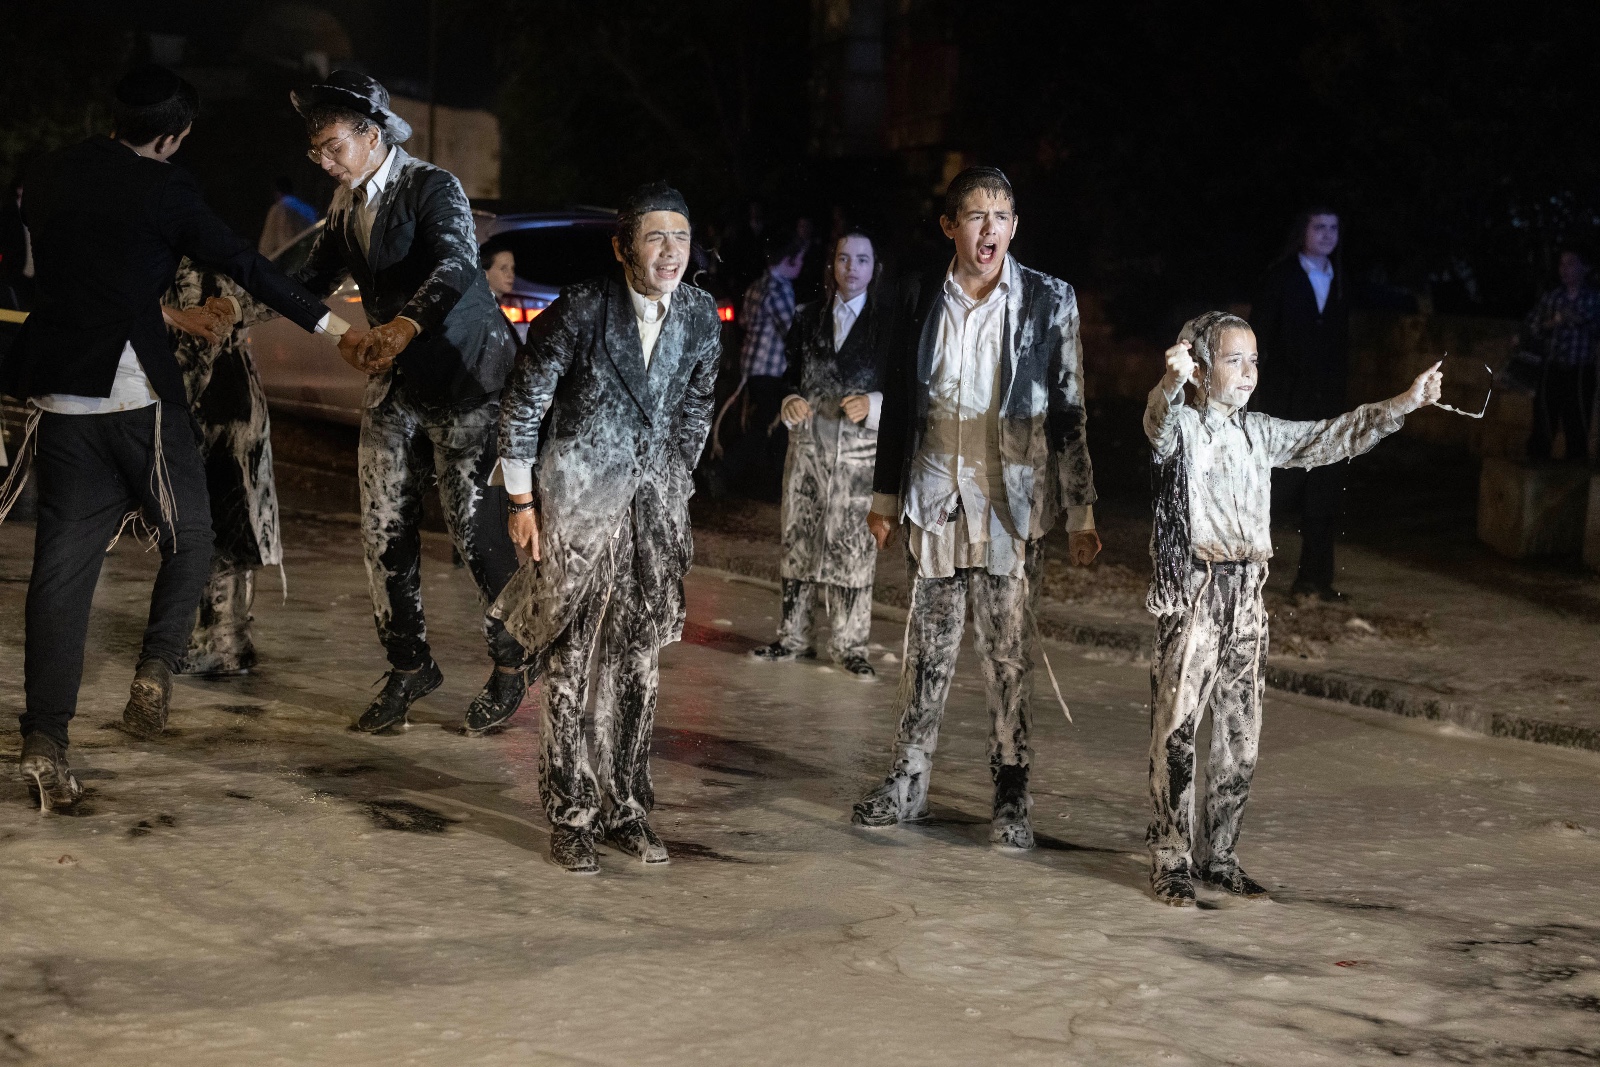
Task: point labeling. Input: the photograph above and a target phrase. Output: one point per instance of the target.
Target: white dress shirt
(1321, 278)
(365, 199)
(130, 390)
(648, 315)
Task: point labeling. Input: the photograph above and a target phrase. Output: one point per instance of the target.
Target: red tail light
(516, 314)
(725, 313)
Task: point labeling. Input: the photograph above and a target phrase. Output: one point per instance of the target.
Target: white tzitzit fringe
(18, 478)
(161, 486)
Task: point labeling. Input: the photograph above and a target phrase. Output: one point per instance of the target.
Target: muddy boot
(1230, 878)
(778, 652)
(44, 767)
(858, 666)
(639, 840)
(149, 699)
(496, 703)
(903, 796)
(1010, 827)
(1172, 885)
(572, 849)
(401, 689)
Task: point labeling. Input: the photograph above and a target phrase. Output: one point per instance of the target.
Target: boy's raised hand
(1180, 366)
(1424, 390)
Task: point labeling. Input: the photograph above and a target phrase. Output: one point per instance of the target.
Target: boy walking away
(982, 447)
(1210, 545)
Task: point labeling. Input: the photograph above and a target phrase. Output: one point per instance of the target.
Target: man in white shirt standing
(111, 216)
(836, 351)
(982, 446)
(605, 415)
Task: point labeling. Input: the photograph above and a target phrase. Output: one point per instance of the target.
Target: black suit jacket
(816, 371)
(108, 228)
(1043, 428)
(609, 439)
(1305, 353)
(422, 262)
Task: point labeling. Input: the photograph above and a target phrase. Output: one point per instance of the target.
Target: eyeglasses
(325, 151)
(1471, 415)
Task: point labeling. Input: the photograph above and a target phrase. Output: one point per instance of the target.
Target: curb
(1398, 698)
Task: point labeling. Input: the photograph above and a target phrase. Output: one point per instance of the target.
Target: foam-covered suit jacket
(1043, 440)
(827, 476)
(422, 262)
(606, 435)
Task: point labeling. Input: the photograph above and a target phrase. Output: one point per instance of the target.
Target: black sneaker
(638, 840)
(858, 666)
(496, 702)
(1232, 879)
(572, 850)
(1173, 887)
(778, 652)
(401, 689)
(149, 699)
(44, 766)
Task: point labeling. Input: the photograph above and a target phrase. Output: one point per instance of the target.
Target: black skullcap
(147, 86)
(654, 196)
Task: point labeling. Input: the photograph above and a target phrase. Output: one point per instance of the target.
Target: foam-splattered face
(659, 255)
(1233, 374)
(983, 231)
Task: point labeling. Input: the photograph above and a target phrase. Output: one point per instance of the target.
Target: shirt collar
(380, 177)
(1310, 266)
(855, 305)
(647, 310)
(1008, 281)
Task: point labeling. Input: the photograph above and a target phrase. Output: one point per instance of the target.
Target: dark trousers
(404, 446)
(1315, 498)
(755, 466)
(1562, 402)
(93, 471)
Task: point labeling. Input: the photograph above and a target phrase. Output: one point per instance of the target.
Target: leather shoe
(572, 849)
(149, 699)
(638, 840)
(401, 689)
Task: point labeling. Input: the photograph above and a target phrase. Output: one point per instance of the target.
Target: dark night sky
(1158, 147)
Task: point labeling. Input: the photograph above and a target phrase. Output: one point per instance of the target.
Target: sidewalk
(1414, 641)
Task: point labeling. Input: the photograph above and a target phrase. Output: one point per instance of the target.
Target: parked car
(303, 374)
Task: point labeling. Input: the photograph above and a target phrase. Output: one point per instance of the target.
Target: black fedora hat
(359, 93)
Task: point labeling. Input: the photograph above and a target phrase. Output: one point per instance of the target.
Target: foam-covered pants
(1210, 657)
(221, 633)
(615, 789)
(850, 612)
(1003, 636)
(404, 446)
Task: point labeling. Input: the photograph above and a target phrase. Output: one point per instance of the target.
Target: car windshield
(559, 255)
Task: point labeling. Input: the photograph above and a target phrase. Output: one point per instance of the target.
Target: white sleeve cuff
(332, 325)
(1080, 517)
(238, 312)
(515, 475)
(886, 504)
(874, 411)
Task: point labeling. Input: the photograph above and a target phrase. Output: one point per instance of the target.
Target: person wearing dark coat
(230, 409)
(606, 413)
(1301, 319)
(111, 216)
(983, 447)
(438, 353)
(836, 351)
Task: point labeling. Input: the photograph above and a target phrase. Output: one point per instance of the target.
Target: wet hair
(1204, 334)
(969, 181)
(321, 116)
(150, 103)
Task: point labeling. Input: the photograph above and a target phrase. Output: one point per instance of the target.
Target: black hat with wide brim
(358, 93)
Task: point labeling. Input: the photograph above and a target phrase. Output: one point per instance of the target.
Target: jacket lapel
(1012, 334)
(623, 347)
(391, 192)
(930, 300)
(668, 352)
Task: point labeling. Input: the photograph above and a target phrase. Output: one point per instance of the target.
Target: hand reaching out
(1425, 390)
(1180, 367)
